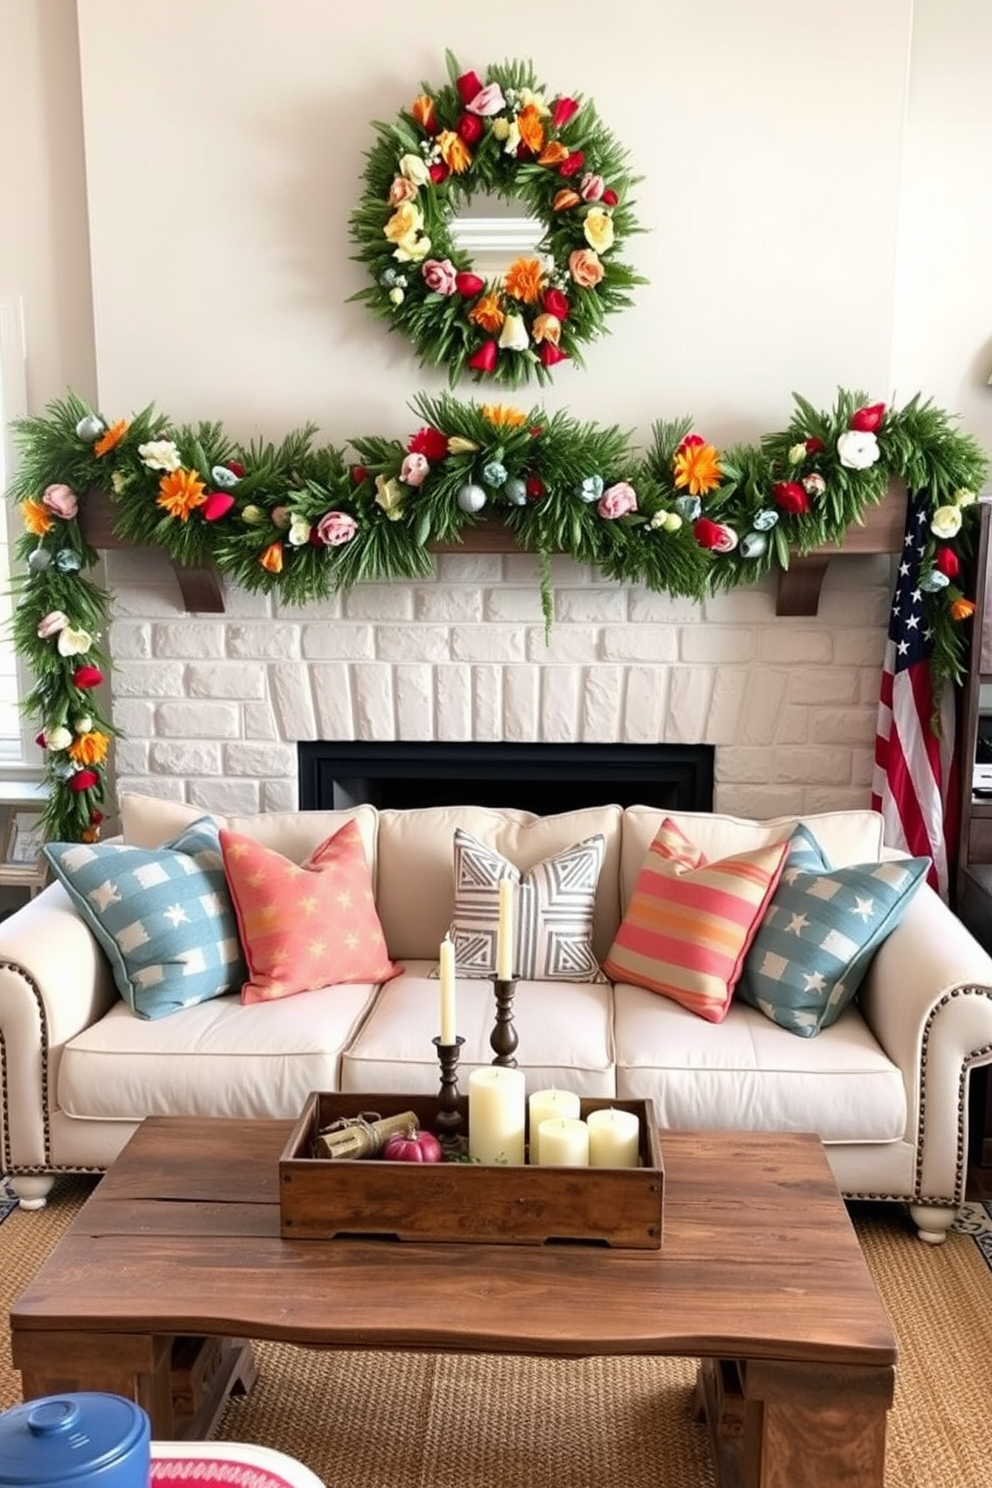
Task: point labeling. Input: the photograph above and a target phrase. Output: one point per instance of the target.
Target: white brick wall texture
(211, 707)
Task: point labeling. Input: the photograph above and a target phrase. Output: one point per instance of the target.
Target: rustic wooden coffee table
(176, 1260)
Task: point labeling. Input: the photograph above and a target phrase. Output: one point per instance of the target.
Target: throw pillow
(553, 911)
(689, 923)
(305, 926)
(818, 936)
(163, 916)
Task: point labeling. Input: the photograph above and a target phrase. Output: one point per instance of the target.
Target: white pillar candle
(496, 1114)
(614, 1138)
(446, 971)
(542, 1106)
(504, 931)
(564, 1143)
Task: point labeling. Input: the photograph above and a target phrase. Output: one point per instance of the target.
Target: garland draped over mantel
(303, 520)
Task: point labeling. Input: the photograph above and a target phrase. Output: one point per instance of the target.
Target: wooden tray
(326, 1198)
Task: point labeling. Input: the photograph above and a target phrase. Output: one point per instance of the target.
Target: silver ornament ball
(471, 498)
(89, 428)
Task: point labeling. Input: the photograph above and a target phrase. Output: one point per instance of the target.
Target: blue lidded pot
(85, 1440)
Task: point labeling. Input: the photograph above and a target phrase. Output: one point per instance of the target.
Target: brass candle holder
(449, 1116)
(503, 1039)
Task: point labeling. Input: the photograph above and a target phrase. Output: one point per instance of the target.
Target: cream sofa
(885, 1087)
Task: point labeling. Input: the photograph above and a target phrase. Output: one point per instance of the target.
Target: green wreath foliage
(304, 520)
(504, 137)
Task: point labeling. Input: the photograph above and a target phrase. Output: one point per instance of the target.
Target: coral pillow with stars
(309, 925)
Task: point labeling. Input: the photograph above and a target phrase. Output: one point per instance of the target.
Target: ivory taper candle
(504, 931)
(446, 971)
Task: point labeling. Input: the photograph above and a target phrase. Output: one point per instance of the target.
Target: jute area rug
(373, 1420)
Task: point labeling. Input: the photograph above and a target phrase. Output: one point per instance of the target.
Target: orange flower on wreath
(112, 438)
(531, 129)
(696, 466)
(454, 151)
(962, 609)
(89, 749)
(503, 416)
(181, 492)
(271, 559)
(36, 518)
(553, 153)
(522, 280)
(487, 313)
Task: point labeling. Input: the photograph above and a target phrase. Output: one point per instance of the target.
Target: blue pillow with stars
(163, 916)
(819, 933)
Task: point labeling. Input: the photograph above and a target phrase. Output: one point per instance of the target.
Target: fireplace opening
(542, 778)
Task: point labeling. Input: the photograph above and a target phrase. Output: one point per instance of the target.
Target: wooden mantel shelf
(798, 586)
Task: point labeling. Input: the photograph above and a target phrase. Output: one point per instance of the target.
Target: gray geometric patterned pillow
(553, 911)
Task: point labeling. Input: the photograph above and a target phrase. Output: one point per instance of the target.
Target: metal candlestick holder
(449, 1116)
(503, 1038)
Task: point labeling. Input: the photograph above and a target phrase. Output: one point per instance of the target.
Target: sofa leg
(32, 1190)
(932, 1222)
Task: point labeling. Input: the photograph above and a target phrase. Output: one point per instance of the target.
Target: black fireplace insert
(542, 778)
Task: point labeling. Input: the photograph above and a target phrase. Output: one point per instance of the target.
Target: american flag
(914, 784)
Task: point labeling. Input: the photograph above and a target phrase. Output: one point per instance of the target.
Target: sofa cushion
(308, 925)
(565, 1033)
(689, 922)
(163, 916)
(415, 876)
(845, 836)
(147, 821)
(553, 911)
(818, 935)
(218, 1059)
(747, 1073)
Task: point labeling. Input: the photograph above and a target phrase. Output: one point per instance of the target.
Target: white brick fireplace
(211, 707)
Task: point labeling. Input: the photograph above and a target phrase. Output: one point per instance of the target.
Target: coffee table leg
(782, 1425)
(137, 1366)
(183, 1383)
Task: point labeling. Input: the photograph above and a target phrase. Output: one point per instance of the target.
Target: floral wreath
(504, 138)
(305, 521)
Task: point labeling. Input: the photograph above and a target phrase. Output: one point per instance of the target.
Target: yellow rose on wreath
(406, 222)
(598, 229)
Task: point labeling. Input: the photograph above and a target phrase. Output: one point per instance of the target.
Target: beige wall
(814, 199)
(225, 145)
(816, 215)
(44, 247)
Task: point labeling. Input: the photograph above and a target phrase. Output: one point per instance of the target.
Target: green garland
(304, 521)
(505, 138)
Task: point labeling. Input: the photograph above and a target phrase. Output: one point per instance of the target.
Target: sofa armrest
(54, 982)
(928, 1000)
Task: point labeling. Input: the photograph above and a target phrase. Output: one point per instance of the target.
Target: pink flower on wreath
(617, 501)
(440, 274)
(414, 470)
(335, 528)
(61, 500)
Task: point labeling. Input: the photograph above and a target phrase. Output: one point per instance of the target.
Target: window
(17, 754)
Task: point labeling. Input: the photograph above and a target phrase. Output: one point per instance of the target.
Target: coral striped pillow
(689, 923)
